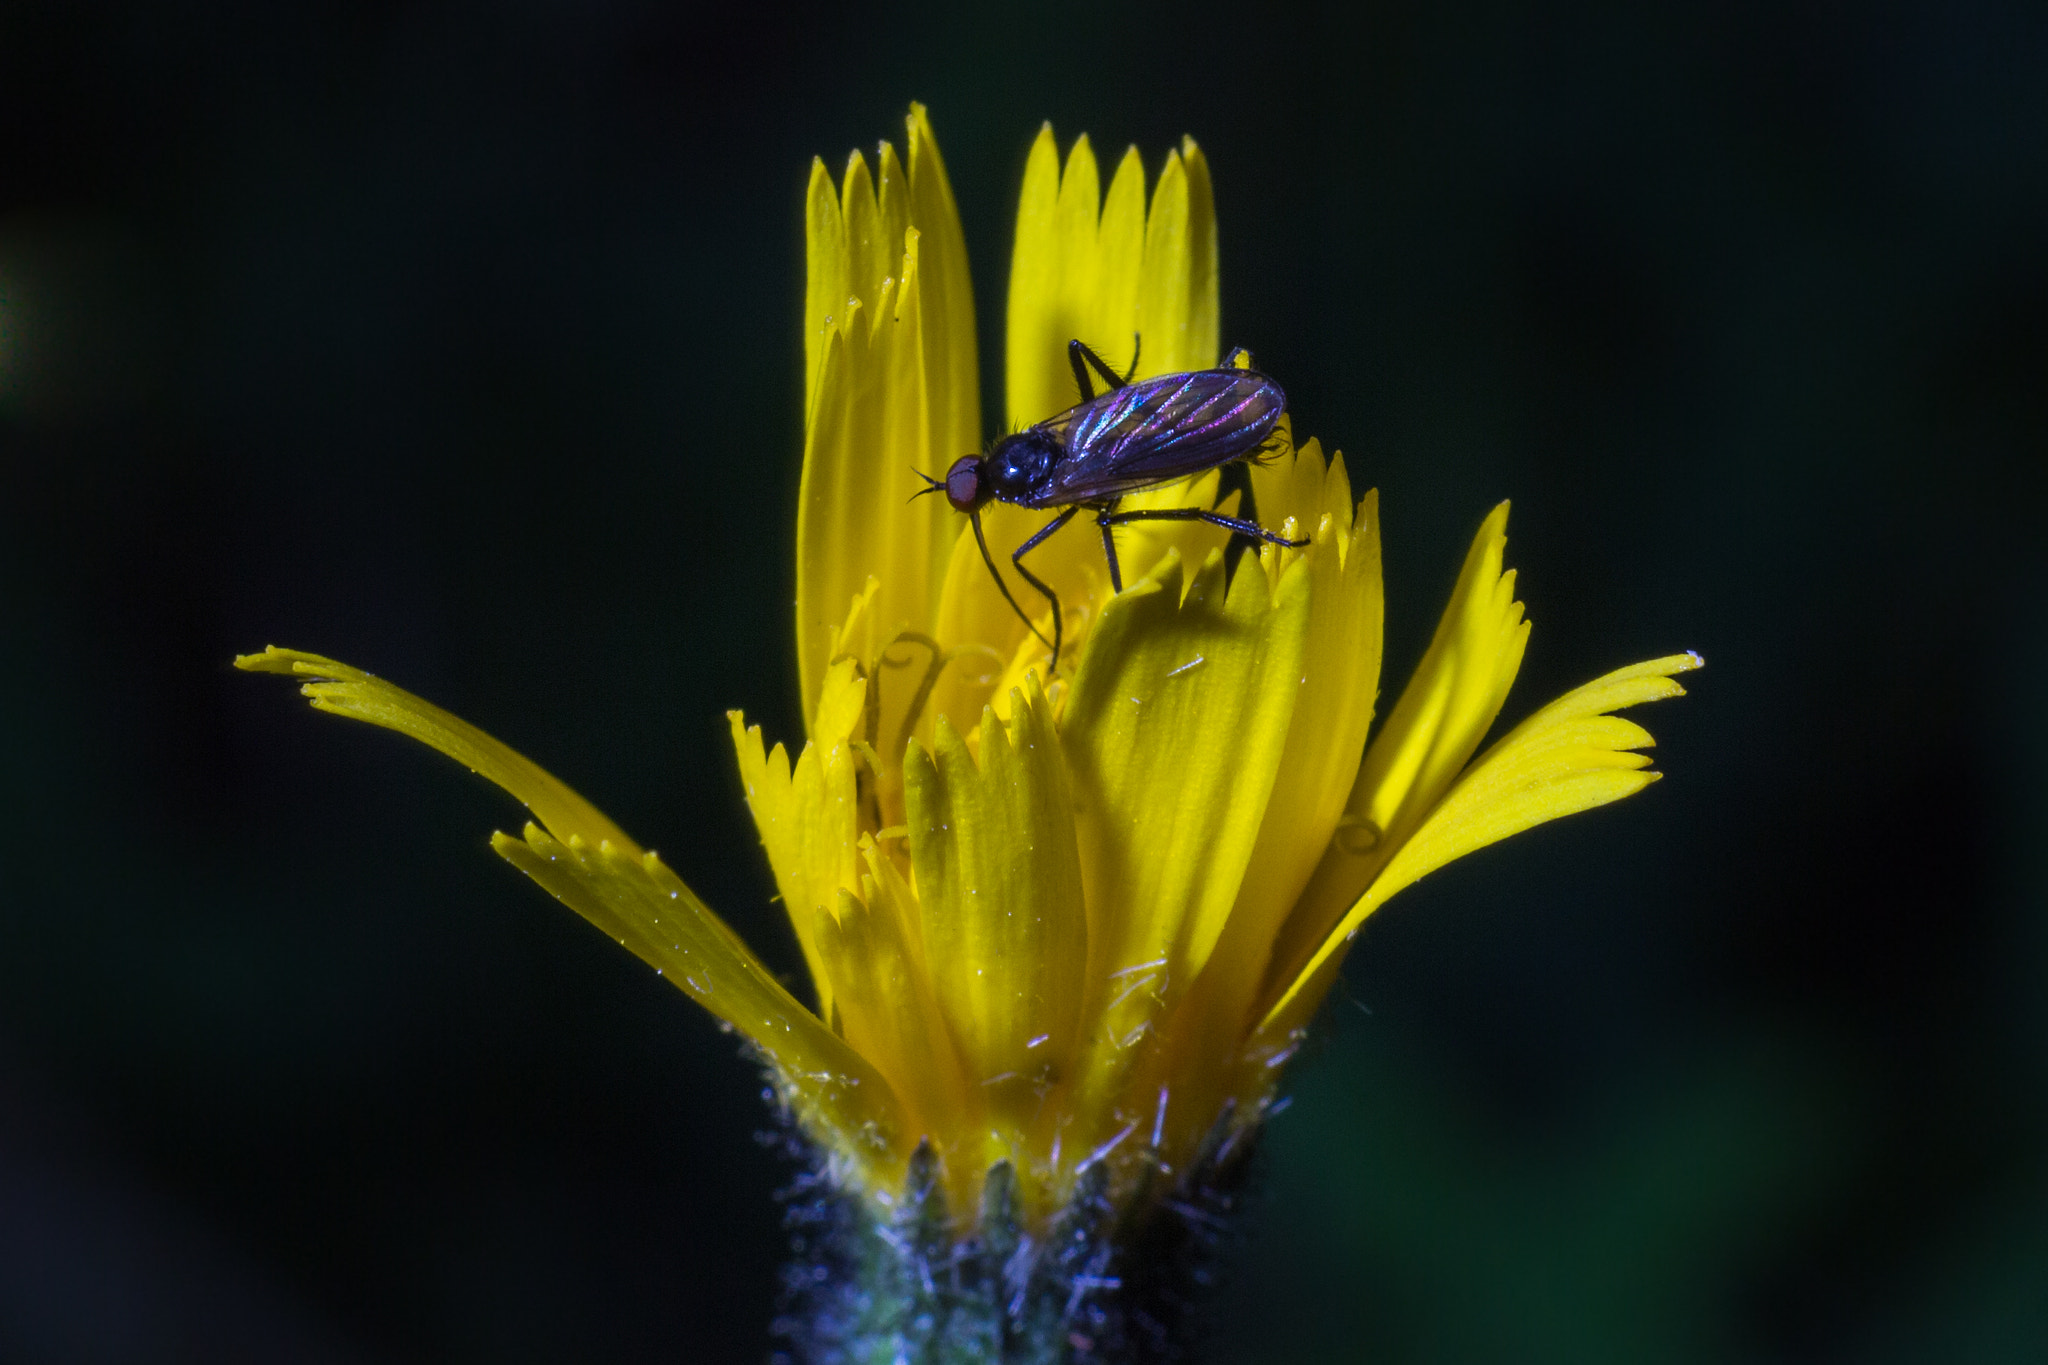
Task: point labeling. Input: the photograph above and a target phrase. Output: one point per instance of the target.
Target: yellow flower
(1074, 924)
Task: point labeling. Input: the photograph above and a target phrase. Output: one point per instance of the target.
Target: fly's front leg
(1017, 559)
(1237, 524)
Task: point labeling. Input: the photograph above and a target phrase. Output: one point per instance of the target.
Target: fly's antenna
(974, 518)
(931, 485)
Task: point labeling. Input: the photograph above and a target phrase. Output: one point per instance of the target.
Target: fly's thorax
(1019, 464)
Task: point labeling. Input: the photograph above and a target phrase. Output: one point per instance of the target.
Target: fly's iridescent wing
(1157, 430)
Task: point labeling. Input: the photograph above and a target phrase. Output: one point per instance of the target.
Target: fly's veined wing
(1160, 429)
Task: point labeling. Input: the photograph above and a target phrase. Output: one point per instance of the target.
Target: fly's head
(965, 487)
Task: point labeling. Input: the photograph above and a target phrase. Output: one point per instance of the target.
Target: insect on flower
(1135, 435)
(1060, 947)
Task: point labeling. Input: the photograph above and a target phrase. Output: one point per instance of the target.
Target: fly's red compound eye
(963, 483)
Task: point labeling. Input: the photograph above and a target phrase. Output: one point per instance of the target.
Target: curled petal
(348, 691)
(1568, 757)
(648, 910)
(589, 865)
(1442, 715)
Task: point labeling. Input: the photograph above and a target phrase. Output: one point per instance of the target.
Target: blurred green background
(461, 341)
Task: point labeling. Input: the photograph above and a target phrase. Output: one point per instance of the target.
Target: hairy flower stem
(1102, 1284)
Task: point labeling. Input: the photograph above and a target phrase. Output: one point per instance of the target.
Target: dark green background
(461, 341)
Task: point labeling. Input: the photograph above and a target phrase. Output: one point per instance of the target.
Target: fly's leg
(1082, 358)
(1105, 521)
(1074, 353)
(1237, 524)
(1017, 558)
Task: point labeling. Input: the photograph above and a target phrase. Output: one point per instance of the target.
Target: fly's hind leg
(1082, 357)
(1237, 524)
(1075, 350)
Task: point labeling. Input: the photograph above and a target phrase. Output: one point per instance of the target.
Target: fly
(1131, 437)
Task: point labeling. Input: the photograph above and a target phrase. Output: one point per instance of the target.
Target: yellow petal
(887, 1011)
(1109, 273)
(1204, 312)
(1080, 203)
(1568, 757)
(584, 861)
(1174, 734)
(1324, 741)
(871, 257)
(1442, 715)
(828, 278)
(892, 393)
(855, 520)
(892, 217)
(809, 818)
(348, 691)
(1111, 318)
(1326, 738)
(646, 908)
(828, 544)
(951, 359)
(1038, 270)
(1456, 692)
(1302, 487)
(1177, 309)
(999, 884)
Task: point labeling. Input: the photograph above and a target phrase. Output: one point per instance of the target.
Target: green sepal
(1104, 1284)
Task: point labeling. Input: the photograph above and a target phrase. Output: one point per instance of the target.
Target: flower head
(1064, 928)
